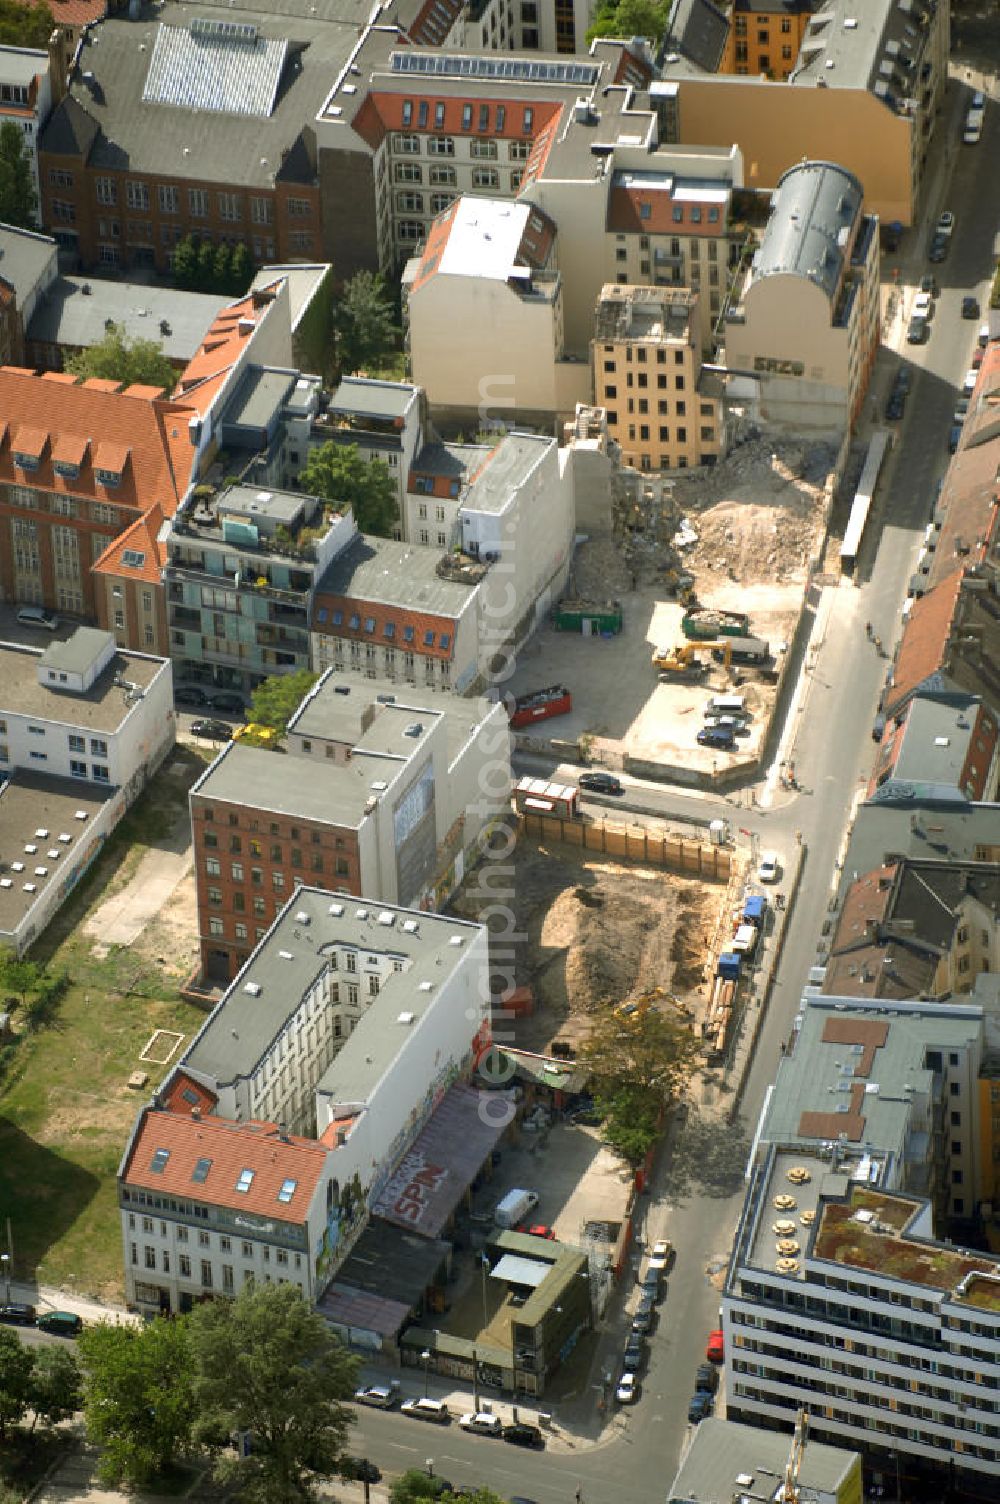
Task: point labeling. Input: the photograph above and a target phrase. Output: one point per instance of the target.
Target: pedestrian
(869, 630)
(878, 646)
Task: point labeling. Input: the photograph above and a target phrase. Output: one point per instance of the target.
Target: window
(63, 211)
(184, 1263)
(484, 151)
(77, 769)
(198, 203)
(407, 112)
(137, 195)
(101, 774)
(466, 117)
(409, 172)
(245, 1181)
(278, 881)
(485, 177)
(213, 867)
(59, 178)
(206, 1275)
(216, 927)
(299, 208)
(441, 146)
(442, 176)
(106, 190)
(230, 207)
(406, 146)
(169, 198)
(237, 871)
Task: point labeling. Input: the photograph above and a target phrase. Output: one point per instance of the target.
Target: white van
(436, 1411)
(728, 705)
(514, 1207)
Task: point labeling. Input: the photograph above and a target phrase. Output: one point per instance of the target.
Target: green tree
(630, 18)
(269, 1367)
(416, 1485)
(637, 1063)
(186, 263)
(240, 271)
(56, 1385)
(17, 976)
(138, 1397)
(18, 199)
(362, 323)
(132, 361)
(338, 473)
(25, 25)
(220, 268)
(274, 702)
(205, 280)
(16, 1364)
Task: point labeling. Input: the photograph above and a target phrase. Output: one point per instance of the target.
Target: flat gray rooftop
(75, 310)
(303, 280)
(102, 708)
(261, 393)
(333, 709)
(952, 832)
(75, 654)
(723, 1451)
(244, 1024)
(278, 783)
(30, 804)
(24, 258)
(509, 466)
(373, 399)
(395, 574)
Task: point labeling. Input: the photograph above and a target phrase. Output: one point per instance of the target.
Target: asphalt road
(697, 1190)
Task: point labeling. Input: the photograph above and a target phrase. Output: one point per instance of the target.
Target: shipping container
(540, 705)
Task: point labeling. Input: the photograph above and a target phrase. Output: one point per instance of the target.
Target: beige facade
(647, 377)
(803, 331)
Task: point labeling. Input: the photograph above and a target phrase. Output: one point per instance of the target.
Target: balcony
(186, 618)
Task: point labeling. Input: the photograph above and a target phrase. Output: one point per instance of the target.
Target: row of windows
(336, 619)
(62, 506)
(444, 146)
(480, 116)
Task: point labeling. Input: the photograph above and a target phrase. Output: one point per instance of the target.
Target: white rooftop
(484, 240)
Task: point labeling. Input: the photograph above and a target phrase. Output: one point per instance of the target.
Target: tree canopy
(338, 473)
(16, 1366)
(18, 199)
(200, 266)
(138, 1397)
(135, 362)
(630, 18)
(269, 1368)
(25, 25)
(56, 1388)
(362, 323)
(638, 1062)
(274, 702)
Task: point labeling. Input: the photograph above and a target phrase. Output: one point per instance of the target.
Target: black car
(190, 694)
(217, 731)
(895, 407)
(635, 1351)
(954, 438)
(645, 1314)
(717, 736)
(970, 308)
(521, 1434)
(228, 701)
(16, 1313)
(903, 381)
(359, 1469)
(928, 283)
(652, 1286)
(706, 1378)
(939, 248)
(600, 783)
(700, 1406)
(917, 331)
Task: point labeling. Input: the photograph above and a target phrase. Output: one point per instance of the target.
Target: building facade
(27, 92)
(765, 38)
(663, 412)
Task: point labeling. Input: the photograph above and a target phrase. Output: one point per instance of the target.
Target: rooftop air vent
(387, 917)
(361, 913)
(80, 814)
(337, 910)
(30, 887)
(413, 729)
(411, 926)
(42, 835)
(426, 987)
(5, 882)
(253, 988)
(405, 1018)
(303, 918)
(286, 955)
(379, 786)
(65, 837)
(455, 940)
(31, 850)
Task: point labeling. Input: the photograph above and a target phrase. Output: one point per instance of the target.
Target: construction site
(692, 589)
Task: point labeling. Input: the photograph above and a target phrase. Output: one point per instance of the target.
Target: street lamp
(426, 1357)
(484, 1264)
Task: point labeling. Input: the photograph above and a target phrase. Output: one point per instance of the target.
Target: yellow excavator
(687, 657)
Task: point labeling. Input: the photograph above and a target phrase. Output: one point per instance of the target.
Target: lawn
(65, 1106)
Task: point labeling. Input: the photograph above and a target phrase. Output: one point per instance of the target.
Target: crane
(790, 1492)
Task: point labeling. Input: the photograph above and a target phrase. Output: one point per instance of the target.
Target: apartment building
(802, 326)
(866, 92)
(30, 84)
(663, 411)
(439, 478)
(553, 26)
(240, 576)
(916, 928)
(384, 793)
(949, 643)
(765, 36)
(28, 267)
(259, 1157)
(82, 730)
(841, 1297)
(725, 1460)
(938, 747)
(488, 273)
(385, 420)
(75, 313)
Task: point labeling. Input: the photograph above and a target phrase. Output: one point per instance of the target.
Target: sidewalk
(47, 1298)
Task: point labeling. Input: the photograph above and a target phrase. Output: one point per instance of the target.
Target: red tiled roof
(230, 1148)
(925, 638)
(223, 344)
(50, 413)
(69, 449)
(140, 538)
(382, 112)
(185, 1094)
(78, 13)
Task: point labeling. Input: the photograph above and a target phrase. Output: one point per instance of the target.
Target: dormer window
(108, 477)
(25, 461)
(66, 469)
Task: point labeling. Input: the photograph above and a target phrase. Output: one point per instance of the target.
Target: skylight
(200, 1172)
(287, 1190)
(245, 1181)
(159, 1162)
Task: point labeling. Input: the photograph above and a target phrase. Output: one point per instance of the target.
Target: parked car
(482, 1423)
(928, 283)
(628, 1389)
(37, 616)
(436, 1411)
(770, 868)
(895, 408)
(190, 694)
(969, 381)
(715, 1349)
(727, 723)
(938, 249)
(216, 731)
(17, 1313)
(635, 1351)
(600, 783)
(522, 1434)
(973, 130)
(645, 1314)
(970, 308)
(954, 438)
(945, 223)
(663, 1249)
(716, 736)
(903, 380)
(700, 1406)
(360, 1470)
(228, 701)
(961, 410)
(977, 358)
(541, 1230)
(379, 1396)
(706, 1377)
(923, 306)
(917, 331)
(60, 1323)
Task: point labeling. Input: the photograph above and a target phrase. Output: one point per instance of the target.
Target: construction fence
(634, 844)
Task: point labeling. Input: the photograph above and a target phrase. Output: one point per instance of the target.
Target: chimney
(283, 1134)
(58, 64)
(196, 1114)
